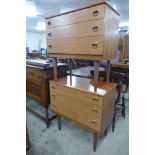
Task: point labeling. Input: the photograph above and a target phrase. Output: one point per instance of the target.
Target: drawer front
(89, 28)
(82, 46)
(92, 13)
(78, 116)
(87, 98)
(34, 90)
(32, 73)
(76, 103)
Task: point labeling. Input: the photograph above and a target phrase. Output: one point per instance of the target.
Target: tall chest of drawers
(88, 33)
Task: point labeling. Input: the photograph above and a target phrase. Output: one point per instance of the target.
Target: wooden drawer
(82, 96)
(89, 28)
(91, 13)
(78, 116)
(76, 103)
(83, 46)
(34, 74)
(34, 89)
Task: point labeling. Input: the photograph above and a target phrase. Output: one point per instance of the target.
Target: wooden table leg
(95, 141)
(55, 68)
(70, 70)
(59, 122)
(123, 107)
(96, 74)
(108, 67)
(47, 118)
(27, 139)
(113, 121)
(105, 132)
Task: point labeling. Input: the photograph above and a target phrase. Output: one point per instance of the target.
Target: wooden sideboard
(87, 33)
(79, 103)
(37, 84)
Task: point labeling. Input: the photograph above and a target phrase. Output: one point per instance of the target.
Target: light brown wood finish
(84, 85)
(77, 38)
(84, 107)
(69, 35)
(111, 34)
(85, 45)
(92, 13)
(89, 28)
(77, 56)
(121, 65)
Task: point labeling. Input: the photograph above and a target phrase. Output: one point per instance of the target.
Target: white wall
(36, 40)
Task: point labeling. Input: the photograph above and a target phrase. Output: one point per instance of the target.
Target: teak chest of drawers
(87, 33)
(79, 103)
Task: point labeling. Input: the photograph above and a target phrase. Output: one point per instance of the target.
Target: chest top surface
(89, 6)
(84, 84)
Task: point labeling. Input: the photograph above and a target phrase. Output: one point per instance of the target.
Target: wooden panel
(77, 56)
(84, 85)
(111, 34)
(78, 116)
(85, 45)
(89, 28)
(92, 13)
(71, 101)
(34, 89)
(76, 94)
(108, 107)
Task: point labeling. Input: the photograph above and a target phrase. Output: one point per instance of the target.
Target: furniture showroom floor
(73, 139)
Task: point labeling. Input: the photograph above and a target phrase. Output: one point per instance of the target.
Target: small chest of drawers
(78, 102)
(87, 33)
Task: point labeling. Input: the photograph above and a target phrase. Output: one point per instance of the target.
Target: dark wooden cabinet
(37, 83)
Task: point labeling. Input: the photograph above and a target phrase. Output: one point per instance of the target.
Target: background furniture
(88, 33)
(123, 45)
(37, 85)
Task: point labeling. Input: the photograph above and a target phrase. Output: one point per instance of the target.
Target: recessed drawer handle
(95, 28)
(49, 34)
(94, 122)
(53, 96)
(94, 110)
(95, 99)
(95, 13)
(54, 105)
(94, 45)
(53, 87)
(50, 46)
(49, 23)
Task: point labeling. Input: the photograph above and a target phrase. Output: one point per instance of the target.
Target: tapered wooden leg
(59, 122)
(113, 121)
(27, 139)
(55, 68)
(95, 141)
(105, 132)
(108, 67)
(96, 74)
(47, 118)
(70, 70)
(123, 107)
